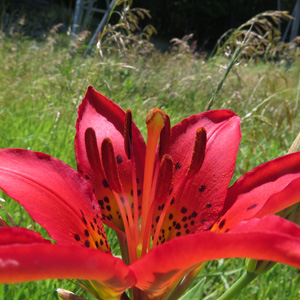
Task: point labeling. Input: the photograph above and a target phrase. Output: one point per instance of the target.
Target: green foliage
(258, 39)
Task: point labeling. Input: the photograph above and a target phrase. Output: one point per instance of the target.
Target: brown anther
(165, 137)
(110, 165)
(198, 152)
(165, 178)
(92, 151)
(128, 133)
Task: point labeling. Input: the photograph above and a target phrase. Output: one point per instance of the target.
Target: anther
(165, 179)
(110, 165)
(165, 136)
(198, 152)
(92, 151)
(128, 133)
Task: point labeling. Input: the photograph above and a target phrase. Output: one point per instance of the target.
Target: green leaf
(196, 292)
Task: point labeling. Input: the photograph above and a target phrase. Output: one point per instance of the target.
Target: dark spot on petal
(183, 210)
(97, 244)
(105, 183)
(84, 220)
(226, 230)
(170, 191)
(208, 205)
(194, 214)
(202, 221)
(87, 243)
(101, 243)
(178, 226)
(184, 219)
(202, 188)
(177, 166)
(170, 216)
(185, 225)
(222, 223)
(87, 177)
(77, 237)
(178, 233)
(86, 233)
(192, 222)
(157, 219)
(172, 201)
(119, 158)
(108, 207)
(106, 199)
(187, 231)
(92, 225)
(252, 206)
(95, 220)
(139, 192)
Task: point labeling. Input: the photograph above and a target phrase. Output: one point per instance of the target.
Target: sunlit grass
(41, 86)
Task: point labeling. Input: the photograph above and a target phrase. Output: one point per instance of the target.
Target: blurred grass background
(43, 82)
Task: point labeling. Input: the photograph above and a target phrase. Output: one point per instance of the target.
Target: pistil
(155, 122)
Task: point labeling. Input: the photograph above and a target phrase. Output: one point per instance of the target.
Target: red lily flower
(172, 191)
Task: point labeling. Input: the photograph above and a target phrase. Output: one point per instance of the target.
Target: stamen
(111, 171)
(155, 122)
(164, 183)
(165, 179)
(92, 151)
(110, 165)
(198, 152)
(165, 136)
(128, 133)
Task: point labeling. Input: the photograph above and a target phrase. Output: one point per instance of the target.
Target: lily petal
(202, 200)
(29, 258)
(107, 120)
(267, 189)
(14, 235)
(271, 238)
(55, 195)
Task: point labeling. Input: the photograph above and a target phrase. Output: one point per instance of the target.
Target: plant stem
(246, 278)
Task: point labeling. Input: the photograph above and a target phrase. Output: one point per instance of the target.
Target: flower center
(159, 188)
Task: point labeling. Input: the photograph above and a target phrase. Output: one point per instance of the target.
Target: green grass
(41, 86)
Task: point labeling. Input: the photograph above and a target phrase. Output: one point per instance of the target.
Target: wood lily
(168, 201)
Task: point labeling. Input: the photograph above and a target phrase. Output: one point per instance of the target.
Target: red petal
(107, 120)
(54, 194)
(271, 238)
(19, 235)
(204, 194)
(266, 189)
(23, 261)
